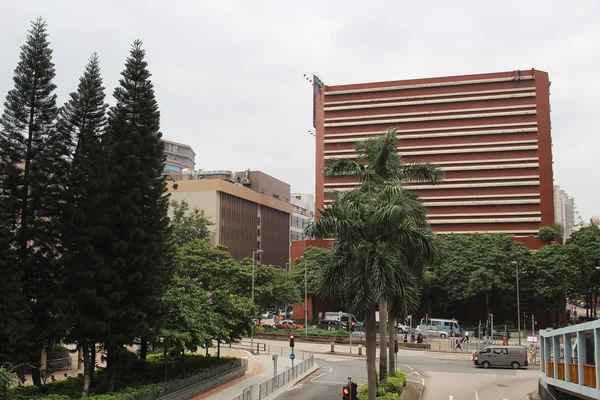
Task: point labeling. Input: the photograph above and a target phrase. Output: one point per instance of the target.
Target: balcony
(569, 357)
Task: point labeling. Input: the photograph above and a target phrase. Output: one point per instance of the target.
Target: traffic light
(396, 346)
(352, 325)
(292, 340)
(346, 395)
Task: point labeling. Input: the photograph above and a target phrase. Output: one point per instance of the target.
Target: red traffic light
(345, 391)
(291, 336)
(353, 323)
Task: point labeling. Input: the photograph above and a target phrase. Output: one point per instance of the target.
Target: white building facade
(303, 214)
(564, 211)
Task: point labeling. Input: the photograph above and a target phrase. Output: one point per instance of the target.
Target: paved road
(446, 376)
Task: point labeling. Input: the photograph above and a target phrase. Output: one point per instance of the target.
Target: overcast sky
(228, 74)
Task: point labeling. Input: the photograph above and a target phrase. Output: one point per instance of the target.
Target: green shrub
(547, 234)
(390, 391)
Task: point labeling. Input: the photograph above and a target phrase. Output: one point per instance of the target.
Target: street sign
(292, 356)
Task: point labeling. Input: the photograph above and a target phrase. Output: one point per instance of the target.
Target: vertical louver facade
(490, 133)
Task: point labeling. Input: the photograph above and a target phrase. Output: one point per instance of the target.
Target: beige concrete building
(564, 211)
(248, 215)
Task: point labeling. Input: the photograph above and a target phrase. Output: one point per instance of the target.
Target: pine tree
(31, 171)
(83, 119)
(138, 206)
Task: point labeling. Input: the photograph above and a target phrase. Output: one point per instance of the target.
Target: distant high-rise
(564, 211)
(303, 214)
(179, 157)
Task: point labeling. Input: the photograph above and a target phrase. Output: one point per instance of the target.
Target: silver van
(501, 356)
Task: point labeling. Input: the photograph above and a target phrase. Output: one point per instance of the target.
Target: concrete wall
(208, 204)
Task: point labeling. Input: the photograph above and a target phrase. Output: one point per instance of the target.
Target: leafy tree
(380, 230)
(188, 225)
(33, 159)
(139, 257)
(553, 276)
(547, 234)
(586, 260)
(83, 120)
(313, 261)
(477, 267)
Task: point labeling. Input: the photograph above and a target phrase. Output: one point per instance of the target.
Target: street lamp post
(516, 263)
(305, 300)
(254, 253)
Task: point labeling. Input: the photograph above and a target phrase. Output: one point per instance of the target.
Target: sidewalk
(262, 371)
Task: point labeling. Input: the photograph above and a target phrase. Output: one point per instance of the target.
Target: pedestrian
(52, 378)
(458, 345)
(419, 338)
(466, 336)
(405, 337)
(412, 337)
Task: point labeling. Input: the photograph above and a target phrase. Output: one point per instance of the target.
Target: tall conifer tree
(83, 119)
(138, 206)
(33, 159)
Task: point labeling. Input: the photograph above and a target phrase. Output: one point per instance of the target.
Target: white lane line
(414, 372)
(294, 387)
(423, 383)
(408, 366)
(451, 397)
(476, 395)
(316, 377)
(330, 369)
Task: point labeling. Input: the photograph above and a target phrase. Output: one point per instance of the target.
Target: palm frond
(420, 172)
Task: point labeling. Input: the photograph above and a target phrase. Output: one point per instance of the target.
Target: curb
(292, 383)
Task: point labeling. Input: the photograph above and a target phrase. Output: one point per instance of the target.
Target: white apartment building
(564, 211)
(302, 214)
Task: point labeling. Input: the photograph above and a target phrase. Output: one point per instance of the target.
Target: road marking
(294, 387)
(423, 382)
(476, 395)
(318, 376)
(451, 397)
(326, 366)
(408, 366)
(414, 372)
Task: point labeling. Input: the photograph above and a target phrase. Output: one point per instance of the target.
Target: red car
(288, 324)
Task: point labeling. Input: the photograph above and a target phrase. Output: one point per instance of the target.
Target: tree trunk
(143, 349)
(88, 365)
(371, 339)
(111, 366)
(383, 335)
(392, 346)
(218, 349)
(487, 304)
(165, 357)
(36, 376)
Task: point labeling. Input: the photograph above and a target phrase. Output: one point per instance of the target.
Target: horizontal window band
(445, 128)
(447, 100)
(448, 145)
(517, 231)
(484, 221)
(490, 178)
(453, 151)
(480, 203)
(477, 196)
(436, 112)
(484, 214)
(438, 135)
(491, 167)
(433, 96)
(461, 185)
(427, 85)
(440, 118)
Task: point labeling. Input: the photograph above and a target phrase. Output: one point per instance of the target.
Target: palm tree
(377, 232)
(377, 163)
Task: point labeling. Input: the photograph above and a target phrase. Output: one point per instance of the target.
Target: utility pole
(516, 263)
(305, 299)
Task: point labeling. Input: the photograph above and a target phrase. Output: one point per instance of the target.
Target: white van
(448, 327)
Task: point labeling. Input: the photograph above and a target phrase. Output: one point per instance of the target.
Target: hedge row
(300, 333)
(133, 381)
(390, 390)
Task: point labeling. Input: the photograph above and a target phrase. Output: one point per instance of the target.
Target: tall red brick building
(490, 133)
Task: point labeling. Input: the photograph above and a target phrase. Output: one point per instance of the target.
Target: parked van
(501, 356)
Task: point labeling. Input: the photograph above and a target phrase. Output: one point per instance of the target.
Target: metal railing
(261, 390)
